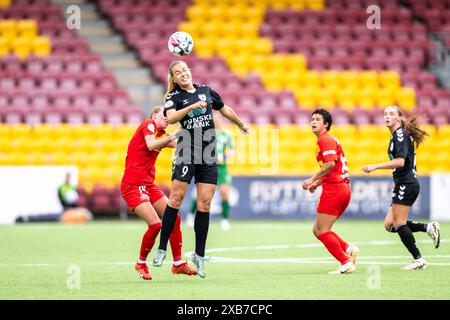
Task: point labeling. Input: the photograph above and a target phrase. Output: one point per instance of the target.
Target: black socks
(408, 240)
(201, 226)
(168, 222)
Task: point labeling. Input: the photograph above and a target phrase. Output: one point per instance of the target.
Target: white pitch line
(216, 259)
(314, 245)
(306, 260)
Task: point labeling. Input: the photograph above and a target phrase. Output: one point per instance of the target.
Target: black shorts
(203, 173)
(405, 193)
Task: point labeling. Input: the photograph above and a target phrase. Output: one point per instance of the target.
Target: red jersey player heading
(336, 194)
(143, 196)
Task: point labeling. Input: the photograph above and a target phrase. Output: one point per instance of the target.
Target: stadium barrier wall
(282, 198)
(440, 196)
(31, 190)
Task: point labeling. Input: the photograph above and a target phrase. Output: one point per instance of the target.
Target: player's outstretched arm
(229, 113)
(393, 164)
(153, 144)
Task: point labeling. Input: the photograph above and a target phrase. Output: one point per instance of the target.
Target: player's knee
(176, 199)
(316, 231)
(203, 205)
(389, 226)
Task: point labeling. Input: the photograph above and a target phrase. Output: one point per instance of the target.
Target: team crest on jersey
(151, 127)
(202, 97)
(168, 104)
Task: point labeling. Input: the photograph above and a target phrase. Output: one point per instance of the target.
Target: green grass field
(254, 260)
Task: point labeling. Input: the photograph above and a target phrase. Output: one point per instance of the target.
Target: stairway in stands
(116, 56)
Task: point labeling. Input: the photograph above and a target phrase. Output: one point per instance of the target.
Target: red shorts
(334, 199)
(135, 195)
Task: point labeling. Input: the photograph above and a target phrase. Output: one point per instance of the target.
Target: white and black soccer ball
(180, 43)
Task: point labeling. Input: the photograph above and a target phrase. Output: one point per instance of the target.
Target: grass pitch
(268, 260)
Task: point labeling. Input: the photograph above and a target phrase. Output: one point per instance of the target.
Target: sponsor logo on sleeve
(325, 153)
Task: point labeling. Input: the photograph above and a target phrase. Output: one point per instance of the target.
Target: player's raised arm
(229, 113)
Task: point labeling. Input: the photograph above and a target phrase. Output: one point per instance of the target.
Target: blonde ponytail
(171, 85)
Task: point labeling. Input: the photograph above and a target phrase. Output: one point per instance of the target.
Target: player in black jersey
(192, 105)
(405, 134)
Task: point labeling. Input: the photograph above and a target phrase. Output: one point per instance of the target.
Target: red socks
(176, 240)
(344, 245)
(148, 240)
(331, 242)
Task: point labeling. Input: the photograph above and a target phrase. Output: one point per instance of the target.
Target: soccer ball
(180, 43)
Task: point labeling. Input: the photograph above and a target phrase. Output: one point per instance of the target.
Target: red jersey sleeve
(328, 148)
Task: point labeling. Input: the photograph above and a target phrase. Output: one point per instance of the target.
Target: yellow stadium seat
(26, 28)
(99, 159)
(41, 46)
(347, 98)
(296, 63)
(190, 27)
(205, 48)
(8, 29)
(196, 11)
(241, 62)
(443, 131)
(4, 46)
(315, 4)
(273, 80)
(60, 158)
(326, 97)
(350, 79)
(330, 78)
(368, 78)
(279, 4)
(21, 47)
(38, 158)
(311, 78)
(262, 46)
(406, 98)
(385, 97)
(259, 63)
(344, 131)
(20, 130)
(306, 97)
(5, 3)
(248, 29)
(389, 79)
(5, 130)
(17, 144)
(366, 97)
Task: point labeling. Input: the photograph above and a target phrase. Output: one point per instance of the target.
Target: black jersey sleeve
(171, 103)
(217, 102)
(400, 144)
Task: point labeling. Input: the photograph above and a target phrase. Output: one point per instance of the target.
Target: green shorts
(224, 176)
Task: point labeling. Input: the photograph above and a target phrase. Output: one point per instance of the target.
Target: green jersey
(223, 143)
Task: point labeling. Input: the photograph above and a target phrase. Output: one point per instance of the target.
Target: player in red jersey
(336, 193)
(143, 196)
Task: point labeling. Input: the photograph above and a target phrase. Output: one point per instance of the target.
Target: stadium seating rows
(99, 151)
(334, 48)
(272, 60)
(19, 37)
(67, 84)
